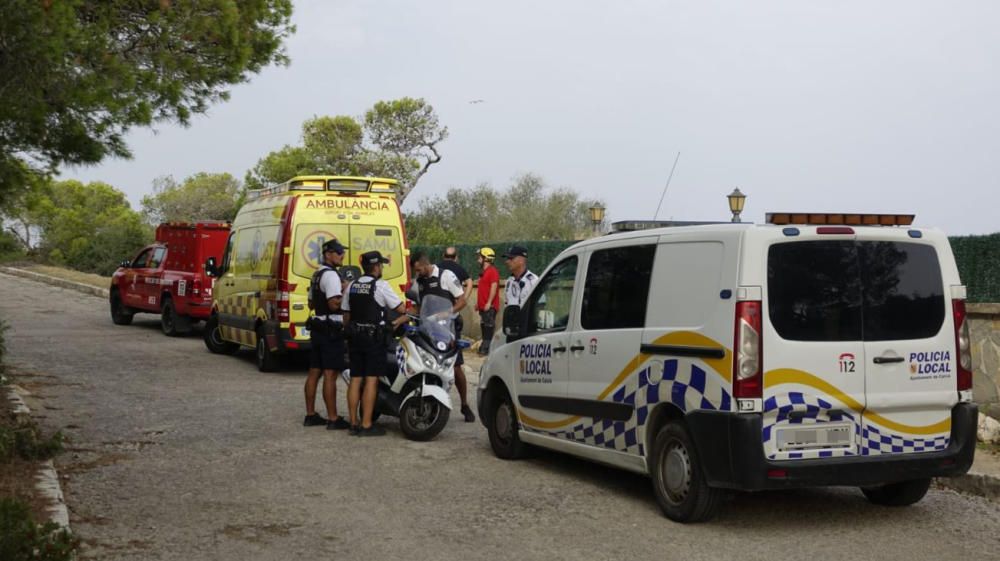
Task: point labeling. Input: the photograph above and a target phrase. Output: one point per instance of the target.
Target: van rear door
(909, 332)
(813, 349)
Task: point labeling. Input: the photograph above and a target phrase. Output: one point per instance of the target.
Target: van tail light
(196, 286)
(963, 346)
(284, 287)
(748, 381)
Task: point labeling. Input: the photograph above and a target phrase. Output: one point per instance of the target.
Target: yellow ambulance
(262, 283)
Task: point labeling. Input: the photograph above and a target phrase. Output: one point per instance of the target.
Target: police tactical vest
(432, 285)
(320, 301)
(364, 308)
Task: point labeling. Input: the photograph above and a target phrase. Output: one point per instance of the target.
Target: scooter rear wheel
(423, 418)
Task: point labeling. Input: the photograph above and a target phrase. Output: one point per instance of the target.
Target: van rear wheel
(903, 493)
(267, 361)
(678, 481)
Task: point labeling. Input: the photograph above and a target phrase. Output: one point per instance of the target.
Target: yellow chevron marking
(793, 376)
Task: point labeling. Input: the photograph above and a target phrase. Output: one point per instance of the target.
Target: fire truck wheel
(172, 323)
(120, 314)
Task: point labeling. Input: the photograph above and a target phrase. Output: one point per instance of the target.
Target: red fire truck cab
(168, 277)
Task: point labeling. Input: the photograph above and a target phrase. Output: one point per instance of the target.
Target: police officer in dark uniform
(365, 312)
(326, 334)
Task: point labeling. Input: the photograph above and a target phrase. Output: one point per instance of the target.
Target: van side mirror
(512, 322)
(210, 267)
(125, 264)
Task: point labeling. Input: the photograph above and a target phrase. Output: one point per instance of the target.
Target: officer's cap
(334, 245)
(516, 251)
(372, 257)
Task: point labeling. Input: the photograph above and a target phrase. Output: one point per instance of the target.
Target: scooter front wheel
(423, 418)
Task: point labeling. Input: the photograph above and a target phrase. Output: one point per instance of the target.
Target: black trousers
(488, 323)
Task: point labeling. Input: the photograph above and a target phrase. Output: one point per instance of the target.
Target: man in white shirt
(521, 279)
(432, 280)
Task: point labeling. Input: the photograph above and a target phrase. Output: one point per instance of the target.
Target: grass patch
(70, 275)
(22, 539)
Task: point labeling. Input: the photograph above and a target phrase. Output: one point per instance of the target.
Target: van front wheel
(214, 340)
(503, 430)
(678, 481)
(904, 493)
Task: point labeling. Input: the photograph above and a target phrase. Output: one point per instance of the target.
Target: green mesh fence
(978, 259)
(540, 254)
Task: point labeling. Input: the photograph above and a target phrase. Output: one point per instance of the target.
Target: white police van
(817, 349)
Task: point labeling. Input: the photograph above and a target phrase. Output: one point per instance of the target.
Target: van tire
(120, 313)
(172, 323)
(678, 481)
(214, 340)
(903, 493)
(502, 428)
(267, 361)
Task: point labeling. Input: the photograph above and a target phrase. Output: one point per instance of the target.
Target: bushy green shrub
(21, 539)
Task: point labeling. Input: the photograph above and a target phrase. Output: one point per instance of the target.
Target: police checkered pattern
(875, 442)
(795, 408)
(688, 388)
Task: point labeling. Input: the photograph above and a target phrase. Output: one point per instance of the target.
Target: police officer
(521, 279)
(365, 306)
(433, 280)
(449, 262)
(326, 354)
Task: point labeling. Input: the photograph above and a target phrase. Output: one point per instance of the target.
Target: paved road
(180, 454)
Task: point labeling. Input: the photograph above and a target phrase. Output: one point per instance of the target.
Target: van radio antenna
(664, 194)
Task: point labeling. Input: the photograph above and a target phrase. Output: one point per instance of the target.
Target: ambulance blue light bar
(838, 219)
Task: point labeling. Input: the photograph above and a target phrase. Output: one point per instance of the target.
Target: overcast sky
(846, 106)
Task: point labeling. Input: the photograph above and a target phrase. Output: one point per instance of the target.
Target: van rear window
(854, 291)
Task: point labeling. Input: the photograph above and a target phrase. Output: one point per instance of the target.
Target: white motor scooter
(422, 372)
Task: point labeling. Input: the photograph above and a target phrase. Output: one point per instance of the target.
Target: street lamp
(597, 216)
(736, 201)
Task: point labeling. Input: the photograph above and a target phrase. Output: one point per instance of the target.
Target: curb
(47, 479)
(79, 287)
(973, 483)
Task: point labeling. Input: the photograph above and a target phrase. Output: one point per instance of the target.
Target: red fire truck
(168, 277)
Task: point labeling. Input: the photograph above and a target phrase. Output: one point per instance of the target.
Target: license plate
(805, 437)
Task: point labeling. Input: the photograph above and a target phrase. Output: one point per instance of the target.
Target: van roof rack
(839, 218)
(636, 225)
(333, 183)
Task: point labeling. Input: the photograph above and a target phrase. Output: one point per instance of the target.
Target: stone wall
(984, 325)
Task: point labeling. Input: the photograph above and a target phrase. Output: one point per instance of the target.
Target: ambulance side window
(227, 255)
(550, 303)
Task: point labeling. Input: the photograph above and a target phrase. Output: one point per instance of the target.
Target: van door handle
(560, 349)
(887, 359)
(576, 348)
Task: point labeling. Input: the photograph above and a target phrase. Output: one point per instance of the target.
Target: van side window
(550, 302)
(617, 287)
(140, 261)
(854, 291)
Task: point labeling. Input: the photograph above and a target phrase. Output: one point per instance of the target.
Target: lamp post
(736, 202)
(596, 216)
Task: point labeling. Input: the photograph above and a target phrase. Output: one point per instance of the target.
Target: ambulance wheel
(678, 481)
(502, 427)
(120, 314)
(423, 418)
(214, 340)
(904, 493)
(172, 323)
(267, 361)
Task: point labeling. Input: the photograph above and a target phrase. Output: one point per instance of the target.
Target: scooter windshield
(436, 322)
